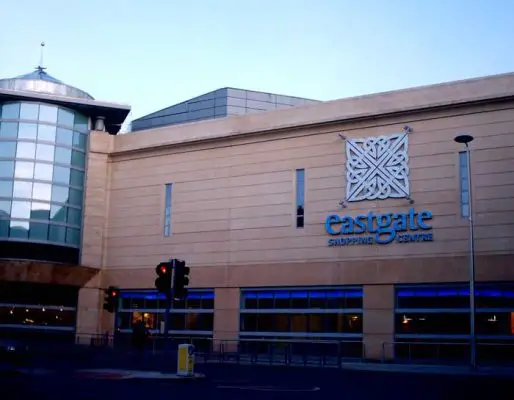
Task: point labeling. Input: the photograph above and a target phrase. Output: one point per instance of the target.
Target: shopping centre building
(345, 220)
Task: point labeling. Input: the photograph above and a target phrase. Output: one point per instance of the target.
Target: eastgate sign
(382, 228)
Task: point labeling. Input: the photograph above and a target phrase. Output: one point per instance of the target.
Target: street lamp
(466, 139)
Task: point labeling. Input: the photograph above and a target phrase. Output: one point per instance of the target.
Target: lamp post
(466, 139)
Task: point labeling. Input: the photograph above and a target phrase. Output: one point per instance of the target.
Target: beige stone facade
(233, 201)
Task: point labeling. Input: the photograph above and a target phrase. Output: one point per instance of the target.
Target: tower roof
(39, 73)
(41, 82)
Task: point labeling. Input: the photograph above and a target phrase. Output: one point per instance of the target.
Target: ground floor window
(302, 320)
(194, 316)
(37, 310)
(433, 321)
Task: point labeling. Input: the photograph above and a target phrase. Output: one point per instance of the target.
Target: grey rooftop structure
(219, 103)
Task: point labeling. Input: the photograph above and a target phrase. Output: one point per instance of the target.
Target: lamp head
(463, 139)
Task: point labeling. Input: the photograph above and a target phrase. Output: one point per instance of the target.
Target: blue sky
(154, 53)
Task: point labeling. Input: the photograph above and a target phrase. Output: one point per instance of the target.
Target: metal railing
(447, 353)
(116, 350)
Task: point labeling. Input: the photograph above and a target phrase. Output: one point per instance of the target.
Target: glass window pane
(59, 194)
(78, 159)
(6, 169)
(5, 208)
(74, 215)
(81, 123)
(62, 155)
(45, 152)
(72, 236)
(58, 213)
(22, 189)
(46, 133)
(19, 229)
(20, 209)
(29, 111)
(4, 228)
(65, 117)
(42, 191)
(43, 171)
(38, 231)
(24, 169)
(26, 150)
(8, 129)
(7, 149)
(27, 131)
(64, 136)
(76, 197)
(61, 175)
(57, 234)
(6, 188)
(79, 140)
(11, 111)
(48, 113)
(77, 178)
(465, 210)
(40, 211)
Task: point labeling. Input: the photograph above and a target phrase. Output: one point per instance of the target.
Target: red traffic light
(114, 293)
(163, 269)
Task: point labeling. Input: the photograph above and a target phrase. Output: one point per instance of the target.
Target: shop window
(150, 307)
(433, 297)
(498, 323)
(432, 323)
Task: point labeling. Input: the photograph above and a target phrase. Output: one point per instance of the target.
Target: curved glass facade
(42, 167)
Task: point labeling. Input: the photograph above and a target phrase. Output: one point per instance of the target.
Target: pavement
(222, 381)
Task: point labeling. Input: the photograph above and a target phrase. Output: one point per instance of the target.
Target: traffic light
(163, 281)
(112, 294)
(180, 279)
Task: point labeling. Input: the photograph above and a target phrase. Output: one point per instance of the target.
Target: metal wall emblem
(377, 167)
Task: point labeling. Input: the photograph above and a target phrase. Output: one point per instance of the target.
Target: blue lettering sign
(381, 228)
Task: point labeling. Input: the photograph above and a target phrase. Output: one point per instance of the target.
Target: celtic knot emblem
(377, 168)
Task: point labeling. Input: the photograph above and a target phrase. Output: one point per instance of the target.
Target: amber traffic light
(112, 295)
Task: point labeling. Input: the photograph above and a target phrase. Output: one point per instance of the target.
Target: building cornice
(497, 88)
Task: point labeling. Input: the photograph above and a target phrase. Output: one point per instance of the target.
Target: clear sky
(155, 53)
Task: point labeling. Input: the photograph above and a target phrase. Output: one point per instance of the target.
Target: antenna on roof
(40, 67)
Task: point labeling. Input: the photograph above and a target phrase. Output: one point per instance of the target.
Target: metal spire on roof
(40, 67)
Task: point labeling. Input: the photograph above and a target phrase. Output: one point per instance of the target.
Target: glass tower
(44, 130)
(42, 166)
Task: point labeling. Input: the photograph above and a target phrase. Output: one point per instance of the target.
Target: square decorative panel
(377, 167)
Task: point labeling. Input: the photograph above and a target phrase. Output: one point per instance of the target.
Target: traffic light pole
(169, 307)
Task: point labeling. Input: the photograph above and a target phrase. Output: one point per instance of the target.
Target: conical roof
(40, 73)
(41, 82)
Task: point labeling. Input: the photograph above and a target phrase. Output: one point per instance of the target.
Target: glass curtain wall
(42, 167)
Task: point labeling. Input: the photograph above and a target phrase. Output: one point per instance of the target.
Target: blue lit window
(167, 210)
